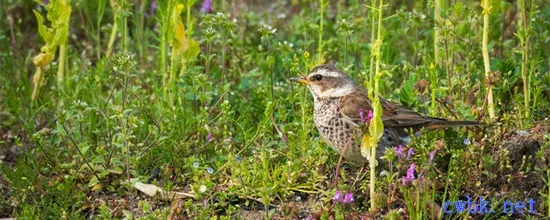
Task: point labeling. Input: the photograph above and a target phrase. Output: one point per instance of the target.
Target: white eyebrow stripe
(337, 92)
(324, 72)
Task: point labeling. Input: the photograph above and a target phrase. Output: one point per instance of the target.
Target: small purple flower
(210, 170)
(205, 203)
(410, 175)
(46, 2)
(432, 155)
(410, 172)
(309, 218)
(209, 137)
(362, 115)
(337, 196)
(348, 198)
(400, 150)
(152, 8)
(206, 6)
(239, 158)
(467, 141)
(410, 153)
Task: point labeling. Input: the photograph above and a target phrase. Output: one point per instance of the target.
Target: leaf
(97, 187)
(44, 32)
(116, 170)
(42, 60)
(192, 51)
(376, 127)
(93, 181)
(152, 190)
(366, 145)
(406, 93)
(84, 149)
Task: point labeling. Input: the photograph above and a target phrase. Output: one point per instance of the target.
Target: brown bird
(338, 103)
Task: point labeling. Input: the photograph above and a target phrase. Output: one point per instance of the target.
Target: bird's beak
(302, 80)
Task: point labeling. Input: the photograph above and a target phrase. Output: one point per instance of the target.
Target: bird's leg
(336, 174)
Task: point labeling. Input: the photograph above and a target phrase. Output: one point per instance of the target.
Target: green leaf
(116, 170)
(93, 181)
(44, 32)
(192, 51)
(406, 93)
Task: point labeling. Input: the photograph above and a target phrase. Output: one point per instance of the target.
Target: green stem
(372, 38)
(61, 66)
(125, 33)
(486, 12)
(112, 37)
(525, 57)
(320, 34)
(437, 18)
(376, 108)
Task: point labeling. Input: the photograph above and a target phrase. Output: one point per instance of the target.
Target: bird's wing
(351, 105)
(393, 114)
(396, 115)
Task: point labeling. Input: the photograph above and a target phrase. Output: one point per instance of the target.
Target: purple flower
(410, 172)
(432, 154)
(337, 196)
(362, 115)
(209, 137)
(467, 141)
(205, 202)
(152, 9)
(309, 218)
(210, 170)
(206, 6)
(46, 2)
(400, 150)
(410, 153)
(348, 198)
(239, 158)
(410, 175)
(153, 6)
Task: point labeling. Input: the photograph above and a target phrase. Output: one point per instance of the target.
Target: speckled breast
(334, 130)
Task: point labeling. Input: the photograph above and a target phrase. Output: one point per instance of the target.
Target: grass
(138, 101)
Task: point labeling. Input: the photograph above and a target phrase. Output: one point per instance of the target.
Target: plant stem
(525, 56)
(125, 33)
(320, 34)
(486, 4)
(437, 18)
(372, 38)
(112, 37)
(376, 107)
(61, 66)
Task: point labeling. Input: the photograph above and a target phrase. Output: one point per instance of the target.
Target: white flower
(202, 189)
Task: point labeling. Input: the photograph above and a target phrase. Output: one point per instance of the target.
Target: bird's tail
(450, 124)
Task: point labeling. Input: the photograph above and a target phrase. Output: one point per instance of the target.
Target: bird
(339, 104)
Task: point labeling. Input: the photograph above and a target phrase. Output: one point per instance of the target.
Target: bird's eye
(318, 77)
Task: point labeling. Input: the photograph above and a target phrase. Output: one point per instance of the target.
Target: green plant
(59, 13)
(370, 140)
(489, 76)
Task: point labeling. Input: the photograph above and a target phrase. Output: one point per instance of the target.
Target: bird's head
(326, 81)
